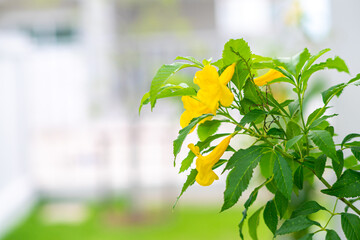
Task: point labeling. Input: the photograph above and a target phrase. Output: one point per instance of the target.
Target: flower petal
(208, 75)
(227, 75)
(227, 97)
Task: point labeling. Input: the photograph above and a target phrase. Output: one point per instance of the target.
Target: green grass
(186, 222)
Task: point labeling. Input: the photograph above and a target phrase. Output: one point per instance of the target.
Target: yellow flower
(213, 88)
(206, 176)
(268, 77)
(193, 108)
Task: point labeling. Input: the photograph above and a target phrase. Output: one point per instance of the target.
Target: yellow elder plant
(290, 148)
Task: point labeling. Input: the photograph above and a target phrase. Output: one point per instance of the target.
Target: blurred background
(77, 161)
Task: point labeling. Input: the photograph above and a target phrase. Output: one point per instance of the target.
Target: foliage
(290, 148)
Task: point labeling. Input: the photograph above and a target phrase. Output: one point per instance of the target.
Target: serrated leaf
(299, 177)
(330, 63)
(348, 185)
(281, 203)
(294, 108)
(190, 180)
(331, 235)
(282, 175)
(185, 131)
(251, 93)
(190, 59)
(319, 165)
(270, 216)
(293, 141)
(301, 60)
(350, 224)
(332, 91)
(252, 116)
(315, 57)
(319, 121)
(254, 223)
(236, 50)
(207, 128)
(162, 76)
(338, 166)
(307, 208)
(295, 224)
(242, 163)
(349, 137)
(317, 113)
(324, 141)
(247, 204)
(292, 129)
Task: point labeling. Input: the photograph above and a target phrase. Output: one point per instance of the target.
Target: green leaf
(207, 128)
(335, 63)
(254, 223)
(236, 50)
(315, 57)
(293, 141)
(282, 175)
(162, 76)
(276, 132)
(350, 162)
(190, 59)
(281, 203)
(319, 121)
(301, 59)
(348, 185)
(356, 152)
(350, 224)
(357, 77)
(276, 105)
(296, 224)
(331, 235)
(252, 116)
(338, 166)
(294, 108)
(271, 186)
(251, 93)
(348, 138)
(332, 91)
(270, 216)
(144, 100)
(190, 180)
(315, 115)
(320, 165)
(242, 163)
(247, 204)
(299, 177)
(292, 129)
(185, 131)
(307, 208)
(267, 164)
(324, 141)
(308, 236)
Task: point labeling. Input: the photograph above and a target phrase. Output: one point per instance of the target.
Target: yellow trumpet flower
(206, 176)
(213, 87)
(193, 108)
(268, 77)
